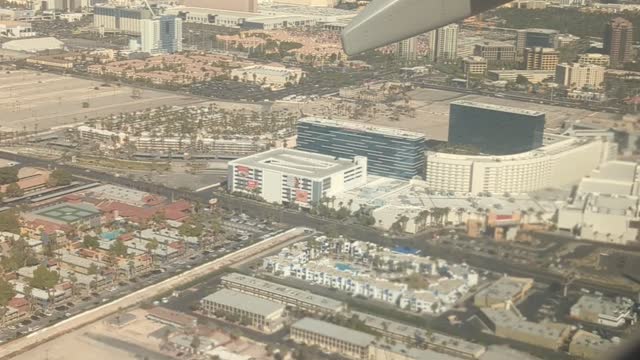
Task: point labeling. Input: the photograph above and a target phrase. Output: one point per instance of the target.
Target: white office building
(578, 76)
(562, 160)
(293, 176)
(161, 35)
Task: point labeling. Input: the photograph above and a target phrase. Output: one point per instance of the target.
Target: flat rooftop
(296, 162)
(284, 291)
(359, 126)
(334, 331)
(505, 288)
(484, 106)
(602, 306)
(245, 302)
(400, 329)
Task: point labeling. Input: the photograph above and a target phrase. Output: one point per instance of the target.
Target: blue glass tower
(390, 152)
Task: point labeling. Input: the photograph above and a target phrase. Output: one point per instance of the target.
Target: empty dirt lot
(29, 99)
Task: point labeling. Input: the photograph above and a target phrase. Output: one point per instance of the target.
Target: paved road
(297, 218)
(49, 333)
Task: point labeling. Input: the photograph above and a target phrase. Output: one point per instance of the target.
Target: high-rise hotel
(389, 152)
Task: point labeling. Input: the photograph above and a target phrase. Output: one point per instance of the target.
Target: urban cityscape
(319, 179)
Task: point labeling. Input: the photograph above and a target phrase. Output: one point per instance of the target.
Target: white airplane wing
(385, 22)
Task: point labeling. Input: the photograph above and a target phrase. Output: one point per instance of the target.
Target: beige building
(263, 314)
(510, 324)
(594, 59)
(504, 292)
(589, 346)
(474, 65)
(533, 76)
(541, 58)
(578, 76)
(282, 294)
(332, 338)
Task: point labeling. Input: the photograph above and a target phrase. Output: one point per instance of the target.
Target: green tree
(90, 242)
(6, 292)
(9, 222)
(60, 178)
(93, 269)
(8, 175)
(118, 248)
(44, 278)
(13, 190)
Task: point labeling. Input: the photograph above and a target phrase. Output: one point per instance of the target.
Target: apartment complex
(496, 130)
(406, 50)
(294, 176)
(443, 43)
(289, 296)
(578, 76)
(539, 58)
(618, 41)
(332, 338)
(264, 314)
(389, 152)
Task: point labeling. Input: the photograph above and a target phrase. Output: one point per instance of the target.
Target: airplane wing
(385, 22)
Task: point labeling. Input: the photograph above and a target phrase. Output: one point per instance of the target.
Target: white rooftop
(296, 162)
(245, 302)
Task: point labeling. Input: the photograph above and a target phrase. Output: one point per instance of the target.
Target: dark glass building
(495, 130)
(390, 152)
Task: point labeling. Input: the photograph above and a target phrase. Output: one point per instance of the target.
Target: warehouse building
(289, 296)
(390, 152)
(295, 177)
(263, 314)
(589, 346)
(602, 311)
(332, 338)
(503, 293)
(511, 325)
